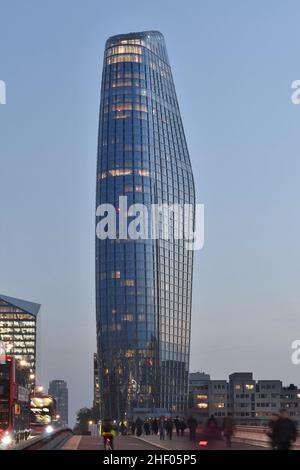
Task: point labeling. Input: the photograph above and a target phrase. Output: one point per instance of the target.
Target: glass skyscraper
(144, 286)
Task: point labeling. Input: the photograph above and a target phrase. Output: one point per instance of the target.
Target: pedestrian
(270, 431)
(154, 426)
(132, 428)
(169, 428)
(139, 426)
(123, 428)
(161, 429)
(284, 432)
(192, 424)
(228, 429)
(177, 425)
(147, 427)
(182, 427)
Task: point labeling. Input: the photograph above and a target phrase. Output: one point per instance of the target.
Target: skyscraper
(96, 400)
(18, 324)
(59, 390)
(143, 286)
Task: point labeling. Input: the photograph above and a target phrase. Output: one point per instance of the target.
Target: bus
(43, 418)
(14, 401)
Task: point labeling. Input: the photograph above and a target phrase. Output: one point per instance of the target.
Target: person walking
(284, 432)
(177, 425)
(154, 426)
(169, 428)
(270, 431)
(139, 427)
(182, 427)
(147, 427)
(161, 429)
(192, 424)
(228, 429)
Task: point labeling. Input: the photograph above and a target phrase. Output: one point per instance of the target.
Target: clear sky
(233, 63)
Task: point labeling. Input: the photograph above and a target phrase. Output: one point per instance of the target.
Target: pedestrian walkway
(183, 443)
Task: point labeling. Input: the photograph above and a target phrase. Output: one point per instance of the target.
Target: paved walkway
(96, 443)
(183, 443)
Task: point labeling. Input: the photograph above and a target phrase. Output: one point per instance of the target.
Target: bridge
(245, 438)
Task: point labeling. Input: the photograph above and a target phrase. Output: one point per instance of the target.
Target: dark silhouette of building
(59, 390)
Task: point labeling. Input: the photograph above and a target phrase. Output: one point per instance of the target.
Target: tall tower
(144, 286)
(59, 390)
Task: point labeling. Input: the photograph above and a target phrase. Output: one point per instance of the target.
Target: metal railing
(46, 441)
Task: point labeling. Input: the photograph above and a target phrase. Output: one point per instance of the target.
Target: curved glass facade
(143, 287)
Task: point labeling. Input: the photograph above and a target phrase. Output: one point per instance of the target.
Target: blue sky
(233, 64)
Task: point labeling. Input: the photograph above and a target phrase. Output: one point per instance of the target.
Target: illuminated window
(129, 107)
(249, 386)
(123, 50)
(116, 275)
(124, 58)
(202, 397)
(127, 317)
(122, 115)
(237, 387)
(220, 405)
(128, 282)
(121, 83)
(133, 41)
(120, 172)
(202, 405)
(143, 172)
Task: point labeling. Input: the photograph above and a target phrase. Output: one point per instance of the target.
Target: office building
(143, 286)
(18, 330)
(59, 390)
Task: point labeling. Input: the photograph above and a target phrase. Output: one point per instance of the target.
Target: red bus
(43, 416)
(14, 401)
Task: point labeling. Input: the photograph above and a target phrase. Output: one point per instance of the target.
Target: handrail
(41, 441)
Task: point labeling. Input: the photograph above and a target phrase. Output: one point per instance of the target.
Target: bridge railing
(256, 435)
(46, 441)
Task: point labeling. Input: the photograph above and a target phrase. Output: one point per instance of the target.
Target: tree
(84, 416)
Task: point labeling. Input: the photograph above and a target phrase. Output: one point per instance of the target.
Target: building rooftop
(29, 307)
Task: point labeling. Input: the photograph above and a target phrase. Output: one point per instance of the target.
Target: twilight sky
(233, 63)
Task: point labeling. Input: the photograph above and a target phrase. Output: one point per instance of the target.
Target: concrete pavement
(183, 443)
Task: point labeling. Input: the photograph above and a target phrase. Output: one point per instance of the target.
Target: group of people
(163, 427)
(282, 430)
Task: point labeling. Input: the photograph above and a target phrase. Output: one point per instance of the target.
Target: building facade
(18, 328)
(96, 400)
(248, 401)
(143, 286)
(59, 390)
